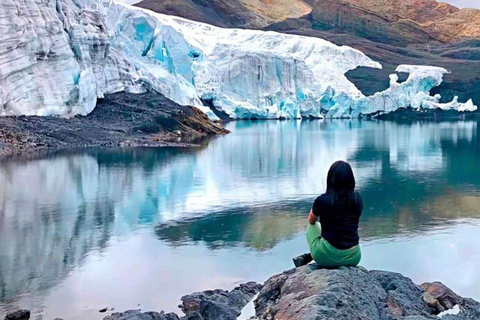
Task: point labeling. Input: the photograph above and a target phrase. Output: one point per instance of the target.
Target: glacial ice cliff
(58, 56)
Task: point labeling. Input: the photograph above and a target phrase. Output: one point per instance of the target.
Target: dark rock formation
(206, 305)
(18, 315)
(121, 119)
(309, 293)
(354, 293)
(219, 304)
(409, 115)
(138, 315)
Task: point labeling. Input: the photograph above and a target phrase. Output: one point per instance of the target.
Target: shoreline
(310, 292)
(150, 120)
(120, 120)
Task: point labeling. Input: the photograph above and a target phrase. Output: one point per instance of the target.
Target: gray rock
(354, 293)
(218, 304)
(21, 314)
(309, 293)
(138, 315)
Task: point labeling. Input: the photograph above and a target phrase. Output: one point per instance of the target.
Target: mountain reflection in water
(240, 198)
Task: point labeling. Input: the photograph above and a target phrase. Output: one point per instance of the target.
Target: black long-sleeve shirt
(339, 219)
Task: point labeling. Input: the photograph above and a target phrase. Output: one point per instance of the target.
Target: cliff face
(417, 20)
(410, 21)
(255, 14)
(401, 32)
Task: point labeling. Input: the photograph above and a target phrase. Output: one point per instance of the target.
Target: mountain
(58, 57)
(419, 32)
(253, 14)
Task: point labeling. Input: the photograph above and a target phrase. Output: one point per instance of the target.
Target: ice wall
(58, 56)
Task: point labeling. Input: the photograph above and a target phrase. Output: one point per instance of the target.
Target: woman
(334, 241)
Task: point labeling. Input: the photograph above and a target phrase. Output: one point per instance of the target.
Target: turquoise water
(140, 228)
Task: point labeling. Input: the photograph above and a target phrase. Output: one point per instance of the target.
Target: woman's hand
(312, 219)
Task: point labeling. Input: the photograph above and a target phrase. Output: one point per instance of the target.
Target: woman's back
(334, 241)
(339, 218)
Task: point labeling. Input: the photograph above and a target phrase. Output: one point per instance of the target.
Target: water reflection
(64, 216)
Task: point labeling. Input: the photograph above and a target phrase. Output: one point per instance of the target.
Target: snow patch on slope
(58, 56)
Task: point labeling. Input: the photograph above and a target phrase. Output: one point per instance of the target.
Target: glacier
(57, 57)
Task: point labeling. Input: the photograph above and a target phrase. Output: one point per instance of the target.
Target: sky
(464, 3)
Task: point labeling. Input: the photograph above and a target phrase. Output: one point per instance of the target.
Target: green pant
(326, 255)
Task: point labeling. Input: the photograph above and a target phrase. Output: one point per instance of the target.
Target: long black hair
(341, 182)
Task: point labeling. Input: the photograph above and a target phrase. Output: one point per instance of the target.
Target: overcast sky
(464, 3)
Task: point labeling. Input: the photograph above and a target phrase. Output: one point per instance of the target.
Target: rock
(21, 314)
(138, 315)
(206, 305)
(103, 310)
(354, 293)
(218, 304)
(439, 297)
(250, 14)
(121, 119)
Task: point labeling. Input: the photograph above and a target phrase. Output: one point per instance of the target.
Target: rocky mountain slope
(421, 32)
(255, 14)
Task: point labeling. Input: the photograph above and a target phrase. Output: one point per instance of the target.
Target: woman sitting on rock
(334, 241)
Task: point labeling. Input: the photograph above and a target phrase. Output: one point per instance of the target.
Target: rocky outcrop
(405, 21)
(254, 14)
(308, 293)
(207, 305)
(382, 20)
(18, 315)
(355, 293)
(121, 119)
(219, 304)
(138, 315)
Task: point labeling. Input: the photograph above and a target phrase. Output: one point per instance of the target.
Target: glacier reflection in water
(116, 228)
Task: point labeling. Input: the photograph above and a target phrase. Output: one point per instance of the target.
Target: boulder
(440, 297)
(310, 293)
(354, 293)
(138, 315)
(21, 314)
(218, 304)
(207, 305)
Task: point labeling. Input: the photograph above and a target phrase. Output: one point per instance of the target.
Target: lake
(80, 231)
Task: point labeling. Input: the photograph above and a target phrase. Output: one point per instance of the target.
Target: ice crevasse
(58, 56)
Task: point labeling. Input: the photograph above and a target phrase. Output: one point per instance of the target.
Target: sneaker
(302, 260)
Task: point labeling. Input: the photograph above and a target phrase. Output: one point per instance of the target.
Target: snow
(454, 311)
(58, 56)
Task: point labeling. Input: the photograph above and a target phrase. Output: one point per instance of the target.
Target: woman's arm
(312, 218)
